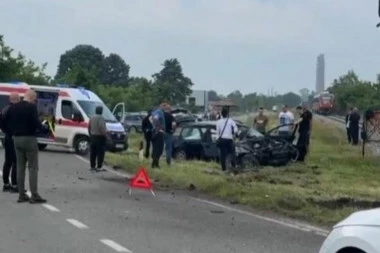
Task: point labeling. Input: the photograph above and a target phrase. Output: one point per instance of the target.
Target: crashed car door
(192, 142)
(209, 143)
(210, 150)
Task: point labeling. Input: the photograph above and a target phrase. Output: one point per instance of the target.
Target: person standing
(348, 125)
(97, 131)
(147, 129)
(286, 118)
(170, 125)
(260, 122)
(304, 131)
(10, 162)
(354, 126)
(23, 119)
(158, 121)
(226, 129)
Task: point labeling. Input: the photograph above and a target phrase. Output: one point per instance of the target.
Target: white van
(68, 110)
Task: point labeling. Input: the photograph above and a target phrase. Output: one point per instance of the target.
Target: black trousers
(148, 140)
(97, 152)
(354, 134)
(348, 130)
(302, 145)
(158, 148)
(227, 148)
(10, 161)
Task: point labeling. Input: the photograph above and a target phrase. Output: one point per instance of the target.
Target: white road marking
(51, 208)
(29, 194)
(106, 168)
(295, 225)
(115, 246)
(77, 223)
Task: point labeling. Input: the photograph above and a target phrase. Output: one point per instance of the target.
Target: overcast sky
(225, 45)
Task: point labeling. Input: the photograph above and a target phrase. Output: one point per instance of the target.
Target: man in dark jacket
(24, 122)
(348, 126)
(354, 126)
(9, 166)
(147, 129)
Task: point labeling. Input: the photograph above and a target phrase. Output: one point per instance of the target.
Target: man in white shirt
(286, 118)
(226, 129)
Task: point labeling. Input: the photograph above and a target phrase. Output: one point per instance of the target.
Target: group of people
(352, 126)
(20, 124)
(158, 128)
(288, 126)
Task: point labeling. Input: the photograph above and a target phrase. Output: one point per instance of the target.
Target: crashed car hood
(362, 218)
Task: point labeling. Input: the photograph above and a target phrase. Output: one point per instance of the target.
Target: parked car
(358, 233)
(182, 119)
(132, 122)
(197, 141)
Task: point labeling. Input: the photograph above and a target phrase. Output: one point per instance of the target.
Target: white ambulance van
(67, 112)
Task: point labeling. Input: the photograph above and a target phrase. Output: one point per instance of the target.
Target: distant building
(320, 75)
(198, 98)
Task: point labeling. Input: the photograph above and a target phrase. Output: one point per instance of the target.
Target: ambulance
(66, 112)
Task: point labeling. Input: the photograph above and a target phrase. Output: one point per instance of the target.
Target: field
(333, 183)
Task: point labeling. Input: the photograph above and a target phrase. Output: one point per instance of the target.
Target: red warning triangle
(141, 180)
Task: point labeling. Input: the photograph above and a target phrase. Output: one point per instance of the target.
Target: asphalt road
(89, 212)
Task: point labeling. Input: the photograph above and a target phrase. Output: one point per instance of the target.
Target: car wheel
(42, 146)
(132, 130)
(180, 155)
(82, 146)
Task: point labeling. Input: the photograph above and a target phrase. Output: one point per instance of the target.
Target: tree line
(109, 76)
(350, 91)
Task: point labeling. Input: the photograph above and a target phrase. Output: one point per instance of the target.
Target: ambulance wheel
(82, 145)
(42, 146)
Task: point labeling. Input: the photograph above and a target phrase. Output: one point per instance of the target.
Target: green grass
(333, 183)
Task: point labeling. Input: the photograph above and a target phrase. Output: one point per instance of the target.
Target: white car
(358, 233)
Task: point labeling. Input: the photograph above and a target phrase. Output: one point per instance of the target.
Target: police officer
(158, 134)
(10, 164)
(304, 130)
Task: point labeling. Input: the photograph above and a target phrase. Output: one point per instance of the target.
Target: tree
(115, 71)
(19, 68)
(291, 99)
(85, 57)
(213, 96)
(171, 84)
(305, 93)
(80, 77)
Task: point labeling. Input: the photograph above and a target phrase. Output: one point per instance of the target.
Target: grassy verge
(333, 183)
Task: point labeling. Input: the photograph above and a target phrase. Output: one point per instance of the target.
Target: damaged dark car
(253, 149)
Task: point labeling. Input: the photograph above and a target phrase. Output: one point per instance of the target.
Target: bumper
(119, 142)
(117, 146)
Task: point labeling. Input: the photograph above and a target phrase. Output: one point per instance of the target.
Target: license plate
(119, 145)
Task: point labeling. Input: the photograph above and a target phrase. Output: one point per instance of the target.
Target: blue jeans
(168, 139)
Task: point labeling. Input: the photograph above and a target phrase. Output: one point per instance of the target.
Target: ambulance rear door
(47, 100)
